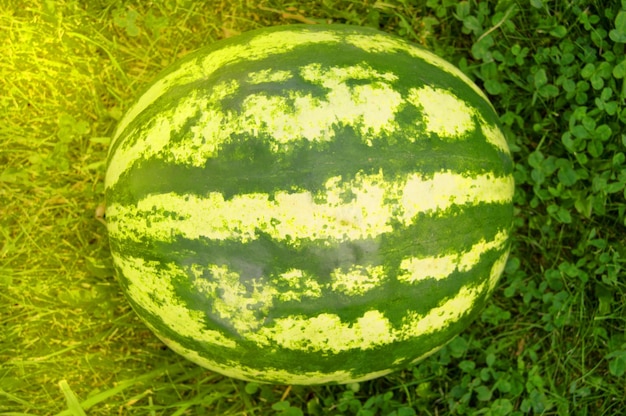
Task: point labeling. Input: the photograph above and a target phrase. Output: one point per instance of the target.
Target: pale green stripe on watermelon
(380, 43)
(234, 298)
(448, 116)
(298, 117)
(371, 109)
(237, 300)
(233, 302)
(375, 203)
(269, 75)
(269, 44)
(421, 357)
(496, 270)
(444, 113)
(327, 332)
(415, 269)
(158, 132)
(446, 189)
(236, 370)
(494, 136)
(153, 290)
(336, 77)
(300, 286)
(358, 280)
(257, 48)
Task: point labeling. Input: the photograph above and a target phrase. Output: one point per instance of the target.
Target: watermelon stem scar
(100, 213)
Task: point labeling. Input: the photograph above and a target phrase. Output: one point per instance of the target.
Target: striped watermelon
(309, 204)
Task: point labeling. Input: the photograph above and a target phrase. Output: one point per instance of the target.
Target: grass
(552, 341)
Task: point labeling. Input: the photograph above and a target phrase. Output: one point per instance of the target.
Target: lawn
(553, 339)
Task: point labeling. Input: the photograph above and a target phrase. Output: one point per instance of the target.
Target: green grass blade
(121, 386)
(72, 401)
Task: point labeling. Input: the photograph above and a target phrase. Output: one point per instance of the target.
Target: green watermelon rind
(309, 204)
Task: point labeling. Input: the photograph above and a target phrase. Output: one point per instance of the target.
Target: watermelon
(309, 204)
